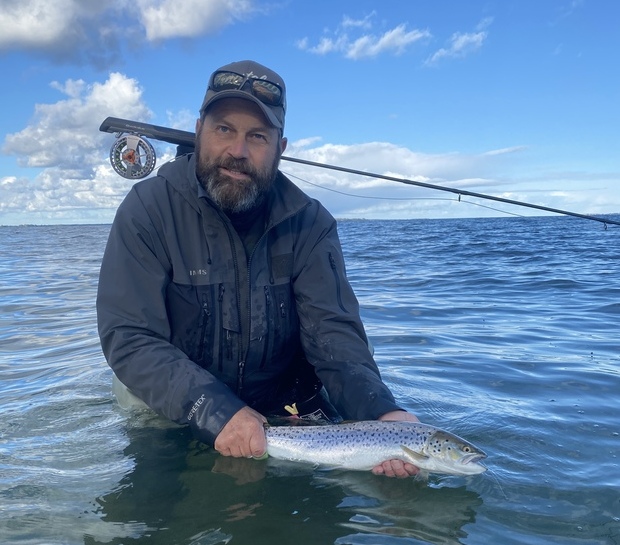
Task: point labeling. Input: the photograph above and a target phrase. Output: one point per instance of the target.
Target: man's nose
(238, 147)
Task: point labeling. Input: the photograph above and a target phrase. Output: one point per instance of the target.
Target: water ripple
(502, 330)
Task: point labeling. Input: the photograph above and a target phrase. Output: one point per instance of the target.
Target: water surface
(504, 331)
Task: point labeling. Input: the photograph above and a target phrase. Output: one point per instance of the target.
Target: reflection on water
(182, 492)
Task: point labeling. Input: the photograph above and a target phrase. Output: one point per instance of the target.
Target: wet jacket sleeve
(332, 333)
(135, 332)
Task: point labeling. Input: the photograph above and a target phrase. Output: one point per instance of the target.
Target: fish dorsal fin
(415, 455)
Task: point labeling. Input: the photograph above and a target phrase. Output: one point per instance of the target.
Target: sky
(518, 99)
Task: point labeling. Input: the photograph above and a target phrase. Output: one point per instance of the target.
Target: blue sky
(517, 99)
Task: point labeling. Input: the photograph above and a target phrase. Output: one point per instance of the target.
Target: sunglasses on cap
(266, 91)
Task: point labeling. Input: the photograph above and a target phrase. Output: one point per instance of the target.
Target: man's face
(237, 154)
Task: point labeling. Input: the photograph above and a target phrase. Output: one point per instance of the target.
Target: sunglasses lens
(227, 80)
(267, 92)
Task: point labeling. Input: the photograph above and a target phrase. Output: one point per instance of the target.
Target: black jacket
(197, 329)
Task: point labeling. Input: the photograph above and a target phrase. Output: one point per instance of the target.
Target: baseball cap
(251, 81)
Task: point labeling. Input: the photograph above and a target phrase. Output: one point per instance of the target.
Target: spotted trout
(363, 445)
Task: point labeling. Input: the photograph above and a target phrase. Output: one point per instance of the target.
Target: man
(223, 296)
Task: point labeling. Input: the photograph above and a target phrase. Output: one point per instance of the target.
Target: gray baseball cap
(251, 81)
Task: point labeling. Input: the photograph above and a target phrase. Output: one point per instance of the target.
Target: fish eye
(466, 449)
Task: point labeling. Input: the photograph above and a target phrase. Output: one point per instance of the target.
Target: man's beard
(235, 196)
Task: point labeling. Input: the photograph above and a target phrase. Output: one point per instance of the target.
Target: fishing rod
(132, 156)
(459, 192)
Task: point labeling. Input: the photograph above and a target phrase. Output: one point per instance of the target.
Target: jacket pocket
(209, 349)
(282, 331)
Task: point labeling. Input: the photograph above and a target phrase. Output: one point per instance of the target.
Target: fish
(362, 445)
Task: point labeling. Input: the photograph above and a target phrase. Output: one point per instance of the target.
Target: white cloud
(462, 43)
(392, 160)
(66, 30)
(67, 194)
(66, 134)
(74, 182)
(92, 31)
(64, 141)
(502, 151)
(394, 41)
(571, 8)
(163, 19)
(366, 22)
(34, 22)
(353, 195)
(354, 39)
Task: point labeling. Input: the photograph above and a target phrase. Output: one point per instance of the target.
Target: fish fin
(416, 456)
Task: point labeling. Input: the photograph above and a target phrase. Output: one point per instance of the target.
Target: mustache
(240, 165)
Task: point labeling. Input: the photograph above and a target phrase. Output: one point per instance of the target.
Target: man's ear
(283, 142)
(198, 125)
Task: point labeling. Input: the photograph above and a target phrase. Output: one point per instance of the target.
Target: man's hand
(397, 468)
(243, 436)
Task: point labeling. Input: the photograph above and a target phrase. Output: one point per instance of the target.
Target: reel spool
(132, 156)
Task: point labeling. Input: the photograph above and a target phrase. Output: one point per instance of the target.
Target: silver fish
(363, 445)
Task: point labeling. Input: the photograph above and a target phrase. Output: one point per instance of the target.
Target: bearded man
(223, 297)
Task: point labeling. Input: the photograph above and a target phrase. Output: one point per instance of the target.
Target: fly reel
(132, 156)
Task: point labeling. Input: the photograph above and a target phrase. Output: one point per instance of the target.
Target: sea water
(505, 331)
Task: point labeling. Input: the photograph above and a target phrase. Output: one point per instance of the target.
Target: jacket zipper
(332, 263)
(206, 314)
(240, 370)
(267, 343)
(241, 366)
(220, 298)
(242, 351)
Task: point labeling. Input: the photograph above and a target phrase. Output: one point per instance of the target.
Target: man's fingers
(243, 436)
(395, 468)
(258, 444)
